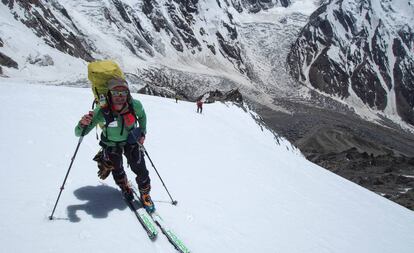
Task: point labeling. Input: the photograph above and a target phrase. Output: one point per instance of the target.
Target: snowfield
(238, 188)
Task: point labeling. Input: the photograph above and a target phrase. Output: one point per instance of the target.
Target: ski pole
(67, 173)
(174, 202)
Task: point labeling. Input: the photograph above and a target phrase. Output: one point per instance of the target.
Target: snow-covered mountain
(238, 188)
(171, 30)
(359, 52)
(199, 46)
(362, 52)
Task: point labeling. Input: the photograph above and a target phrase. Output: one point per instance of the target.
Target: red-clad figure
(199, 106)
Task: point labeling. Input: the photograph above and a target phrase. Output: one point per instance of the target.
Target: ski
(169, 233)
(144, 218)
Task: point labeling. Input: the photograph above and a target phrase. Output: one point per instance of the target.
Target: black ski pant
(135, 158)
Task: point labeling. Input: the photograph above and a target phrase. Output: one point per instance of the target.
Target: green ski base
(144, 218)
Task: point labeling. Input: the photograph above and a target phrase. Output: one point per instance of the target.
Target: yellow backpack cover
(99, 73)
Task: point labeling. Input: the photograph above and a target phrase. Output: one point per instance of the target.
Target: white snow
(305, 7)
(238, 190)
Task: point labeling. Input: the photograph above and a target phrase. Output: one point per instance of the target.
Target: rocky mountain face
(255, 6)
(146, 27)
(40, 17)
(360, 49)
(5, 60)
(204, 32)
(387, 175)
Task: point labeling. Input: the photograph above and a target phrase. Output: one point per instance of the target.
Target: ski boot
(127, 192)
(147, 202)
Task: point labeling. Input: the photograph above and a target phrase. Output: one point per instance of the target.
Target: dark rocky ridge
(7, 61)
(389, 175)
(378, 158)
(233, 95)
(255, 6)
(168, 83)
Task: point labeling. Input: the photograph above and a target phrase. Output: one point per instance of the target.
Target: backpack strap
(131, 108)
(122, 124)
(106, 111)
(96, 127)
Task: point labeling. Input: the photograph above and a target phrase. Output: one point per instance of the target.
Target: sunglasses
(119, 93)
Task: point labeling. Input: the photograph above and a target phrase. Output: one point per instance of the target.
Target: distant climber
(199, 106)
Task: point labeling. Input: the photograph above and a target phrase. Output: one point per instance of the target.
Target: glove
(135, 135)
(105, 169)
(86, 119)
(105, 166)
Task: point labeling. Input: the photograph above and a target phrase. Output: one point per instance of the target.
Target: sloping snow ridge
(238, 188)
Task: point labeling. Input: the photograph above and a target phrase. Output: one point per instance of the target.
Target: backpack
(99, 73)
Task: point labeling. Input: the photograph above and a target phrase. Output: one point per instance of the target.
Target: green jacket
(112, 134)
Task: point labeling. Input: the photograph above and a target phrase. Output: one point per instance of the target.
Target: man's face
(119, 95)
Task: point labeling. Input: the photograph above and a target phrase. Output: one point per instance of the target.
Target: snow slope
(238, 189)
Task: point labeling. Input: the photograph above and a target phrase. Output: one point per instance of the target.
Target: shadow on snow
(101, 200)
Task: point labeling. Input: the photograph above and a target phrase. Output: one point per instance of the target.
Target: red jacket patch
(129, 119)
